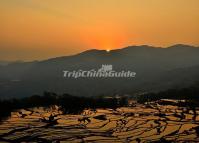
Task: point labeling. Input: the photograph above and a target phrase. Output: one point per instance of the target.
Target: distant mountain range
(157, 69)
(3, 63)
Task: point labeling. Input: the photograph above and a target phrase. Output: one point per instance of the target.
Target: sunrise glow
(107, 50)
(58, 28)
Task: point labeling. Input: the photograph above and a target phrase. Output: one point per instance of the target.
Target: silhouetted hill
(156, 68)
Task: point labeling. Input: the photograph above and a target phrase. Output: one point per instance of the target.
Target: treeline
(69, 104)
(189, 94)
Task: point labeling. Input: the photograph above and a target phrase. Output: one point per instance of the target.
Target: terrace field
(156, 121)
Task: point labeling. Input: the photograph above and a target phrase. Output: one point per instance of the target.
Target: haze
(35, 29)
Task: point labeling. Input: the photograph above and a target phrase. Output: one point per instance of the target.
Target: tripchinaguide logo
(106, 71)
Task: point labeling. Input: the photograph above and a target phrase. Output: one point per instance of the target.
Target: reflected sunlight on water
(141, 123)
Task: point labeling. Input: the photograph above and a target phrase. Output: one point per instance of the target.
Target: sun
(107, 50)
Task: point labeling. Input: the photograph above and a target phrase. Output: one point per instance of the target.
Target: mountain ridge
(91, 51)
(151, 65)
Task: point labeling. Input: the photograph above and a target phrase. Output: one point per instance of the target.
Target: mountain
(3, 63)
(157, 69)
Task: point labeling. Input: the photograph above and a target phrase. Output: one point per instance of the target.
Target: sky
(41, 29)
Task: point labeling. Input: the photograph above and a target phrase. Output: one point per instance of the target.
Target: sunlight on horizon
(108, 50)
(58, 28)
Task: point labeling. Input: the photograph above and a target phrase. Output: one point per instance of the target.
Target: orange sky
(40, 29)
